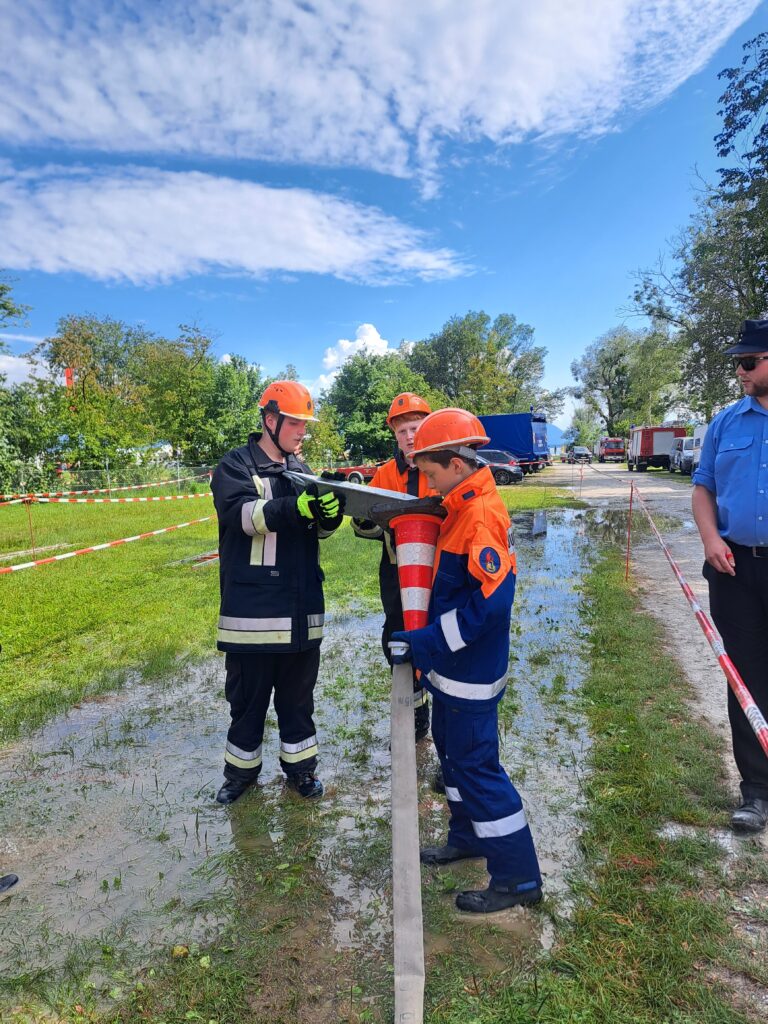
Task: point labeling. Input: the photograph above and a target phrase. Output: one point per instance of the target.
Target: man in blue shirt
(730, 506)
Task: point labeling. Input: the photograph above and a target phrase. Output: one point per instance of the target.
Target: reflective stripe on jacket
(269, 573)
(464, 652)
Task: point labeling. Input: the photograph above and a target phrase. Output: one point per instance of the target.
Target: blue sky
(305, 179)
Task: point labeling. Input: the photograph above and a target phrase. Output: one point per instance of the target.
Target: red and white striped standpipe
(415, 541)
(736, 683)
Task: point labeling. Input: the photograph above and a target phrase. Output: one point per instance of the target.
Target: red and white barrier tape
(5, 499)
(736, 683)
(101, 547)
(114, 501)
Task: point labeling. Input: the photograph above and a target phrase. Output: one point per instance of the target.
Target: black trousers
(251, 680)
(739, 606)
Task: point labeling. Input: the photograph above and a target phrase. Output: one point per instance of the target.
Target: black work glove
(330, 510)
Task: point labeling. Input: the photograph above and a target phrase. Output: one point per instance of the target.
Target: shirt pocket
(732, 450)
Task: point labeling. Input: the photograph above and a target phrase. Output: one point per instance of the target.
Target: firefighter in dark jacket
(399, 474)
(272, 608)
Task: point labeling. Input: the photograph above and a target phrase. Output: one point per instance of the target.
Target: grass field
(650, 938)
(78, 627)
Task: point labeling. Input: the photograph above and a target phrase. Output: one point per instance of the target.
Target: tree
(361, 395)
(585, 426)
(323, 443)
(10, 310)
(604, 375)
(488, 367)
(629, 376)
(716, 283)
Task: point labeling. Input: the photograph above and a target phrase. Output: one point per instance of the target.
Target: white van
(698, 440)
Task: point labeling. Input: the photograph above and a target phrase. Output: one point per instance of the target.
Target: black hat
(753, 337)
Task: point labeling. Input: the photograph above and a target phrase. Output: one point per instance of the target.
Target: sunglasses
(747, 362)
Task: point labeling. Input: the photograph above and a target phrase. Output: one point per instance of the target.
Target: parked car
(505, 467)
(699, 433)
(580, 453)
(681, 455)
(352, 473)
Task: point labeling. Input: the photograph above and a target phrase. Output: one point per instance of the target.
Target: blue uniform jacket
(463, 653)
(734, 467)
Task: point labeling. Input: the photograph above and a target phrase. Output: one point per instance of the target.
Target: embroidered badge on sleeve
(490, 561)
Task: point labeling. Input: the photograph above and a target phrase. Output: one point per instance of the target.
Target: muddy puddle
(108, 815)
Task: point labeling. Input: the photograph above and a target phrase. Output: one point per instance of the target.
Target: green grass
(650, 915)
(78, 627)
(526, 496)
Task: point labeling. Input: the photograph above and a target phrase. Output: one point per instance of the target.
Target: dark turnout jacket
(270, 576)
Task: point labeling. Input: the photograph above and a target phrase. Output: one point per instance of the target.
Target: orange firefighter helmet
(407, 404)
(453, 430)
(288, 398)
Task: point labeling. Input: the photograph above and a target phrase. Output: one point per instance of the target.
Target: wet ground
(108, 814)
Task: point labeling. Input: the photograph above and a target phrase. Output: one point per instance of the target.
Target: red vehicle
(650, 446)
(353, 474)
(611, 449)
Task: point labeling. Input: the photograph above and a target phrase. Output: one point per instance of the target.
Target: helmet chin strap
(275, 434)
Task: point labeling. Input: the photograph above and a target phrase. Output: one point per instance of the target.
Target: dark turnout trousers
(739, 606)
(251, 680)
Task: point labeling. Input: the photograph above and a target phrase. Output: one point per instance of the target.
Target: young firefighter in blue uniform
(463, 654)
(272, 608)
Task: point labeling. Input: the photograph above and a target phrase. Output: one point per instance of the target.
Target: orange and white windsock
(416, 540)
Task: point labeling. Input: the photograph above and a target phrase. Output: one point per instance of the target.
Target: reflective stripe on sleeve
(500, 827)
(291, 753)
(467, 691)
(453, 794)
(315, 626)
(242, 758)
(449, 624)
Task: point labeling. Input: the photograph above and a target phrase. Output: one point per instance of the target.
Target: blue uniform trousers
(486, 810)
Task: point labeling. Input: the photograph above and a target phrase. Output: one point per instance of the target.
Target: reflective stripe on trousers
(486, 810)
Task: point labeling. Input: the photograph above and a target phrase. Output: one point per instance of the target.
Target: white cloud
(367, 339)
(29, 339)
(145, 225)
(15, 369)
(377, 84)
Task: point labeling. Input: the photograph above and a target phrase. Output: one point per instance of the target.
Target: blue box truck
(524, 434)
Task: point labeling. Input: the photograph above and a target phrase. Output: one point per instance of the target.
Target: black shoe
(7, 882)
(422, 730)
(446, 854)
(232, 790)
(488, 901)
(306, 784)
(438, 782)
(752, 816)
(421, 721)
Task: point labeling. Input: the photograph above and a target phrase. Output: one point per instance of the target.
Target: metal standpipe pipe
(415, 542)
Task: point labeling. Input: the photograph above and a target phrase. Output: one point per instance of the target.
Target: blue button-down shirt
(734, 466)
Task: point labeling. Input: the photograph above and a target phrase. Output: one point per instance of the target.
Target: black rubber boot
(438, 782)
(306, 784)
(421, 721)
(492, 899)
(446, 854)
(232, 790)
(7, 882)
(752, 816)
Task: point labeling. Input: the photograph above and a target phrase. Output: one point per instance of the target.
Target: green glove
(329, 505)
(306, 505)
